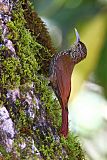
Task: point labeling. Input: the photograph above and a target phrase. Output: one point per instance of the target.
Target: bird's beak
(77, 36)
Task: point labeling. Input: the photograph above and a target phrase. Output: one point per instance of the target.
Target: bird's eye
(78, 45)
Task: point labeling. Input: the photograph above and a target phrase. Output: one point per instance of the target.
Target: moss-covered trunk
(29, 120)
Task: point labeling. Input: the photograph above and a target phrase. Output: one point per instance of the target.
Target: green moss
(49, 148)
(5, 155)
(38, 29)
(23, 67)
(10, 77)
(26, 152)
(29, 53)
(73, 147)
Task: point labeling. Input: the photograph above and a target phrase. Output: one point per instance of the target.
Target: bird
(60, 71)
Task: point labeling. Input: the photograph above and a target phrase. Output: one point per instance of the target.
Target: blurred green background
(90, 19)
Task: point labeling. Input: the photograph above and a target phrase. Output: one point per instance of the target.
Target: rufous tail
(64, 127)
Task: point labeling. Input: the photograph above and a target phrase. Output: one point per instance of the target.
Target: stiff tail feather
(64, 127)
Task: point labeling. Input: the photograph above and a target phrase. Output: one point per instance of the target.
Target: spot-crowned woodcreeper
(60, 72)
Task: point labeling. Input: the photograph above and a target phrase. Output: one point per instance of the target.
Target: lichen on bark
(29, 120)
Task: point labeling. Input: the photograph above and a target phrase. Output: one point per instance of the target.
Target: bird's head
(79, 49)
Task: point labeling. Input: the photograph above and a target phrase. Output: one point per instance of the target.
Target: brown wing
(64, 70)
